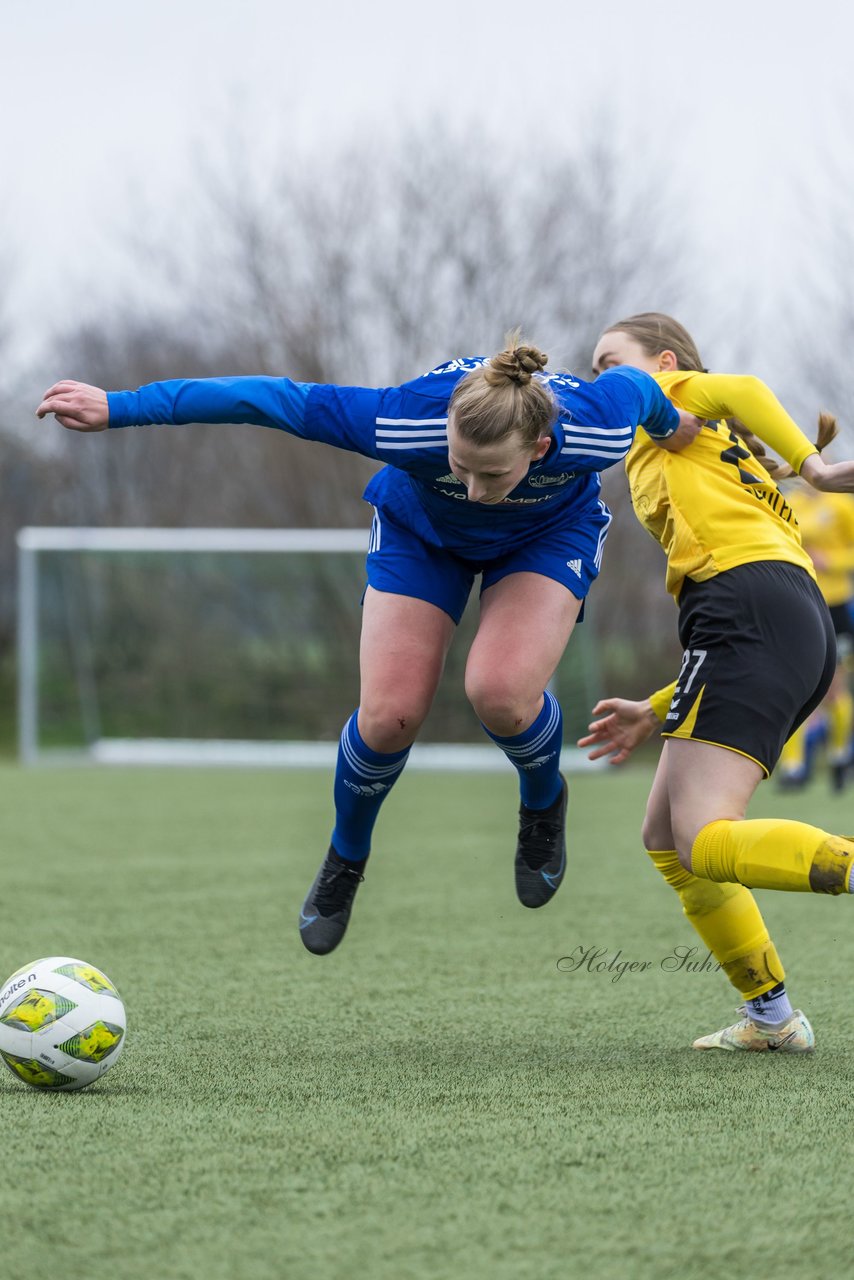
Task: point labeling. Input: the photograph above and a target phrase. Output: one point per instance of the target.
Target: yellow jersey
(826, 522)
(713, 505)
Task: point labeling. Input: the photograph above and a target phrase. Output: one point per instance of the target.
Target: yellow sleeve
(729, 395)
(660, 700)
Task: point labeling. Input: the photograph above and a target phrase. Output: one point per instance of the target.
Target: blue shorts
(400, 562)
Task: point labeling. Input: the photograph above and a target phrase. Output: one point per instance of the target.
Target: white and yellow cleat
(794, 1036)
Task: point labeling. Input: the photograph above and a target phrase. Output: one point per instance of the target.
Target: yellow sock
(729, 924)
(840, 722)
(793, 757)
(769, 853)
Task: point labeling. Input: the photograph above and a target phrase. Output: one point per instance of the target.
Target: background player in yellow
(759, 655)
(826, 522)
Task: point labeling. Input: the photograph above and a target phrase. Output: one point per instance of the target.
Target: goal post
(220, 647)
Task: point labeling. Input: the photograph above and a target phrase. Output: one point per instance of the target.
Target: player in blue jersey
(492, 468)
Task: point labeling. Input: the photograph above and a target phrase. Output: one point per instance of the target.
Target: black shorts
(760, 653)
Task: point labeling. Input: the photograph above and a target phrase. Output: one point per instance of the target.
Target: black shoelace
(538, 836)
(336, 889)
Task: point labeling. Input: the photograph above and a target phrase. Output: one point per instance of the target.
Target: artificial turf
(438, 1098)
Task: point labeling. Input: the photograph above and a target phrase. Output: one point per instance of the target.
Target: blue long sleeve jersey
(406, 428)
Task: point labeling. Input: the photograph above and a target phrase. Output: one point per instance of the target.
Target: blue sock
(536, 755)
(363, 779)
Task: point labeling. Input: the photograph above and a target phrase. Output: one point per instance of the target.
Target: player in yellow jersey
(826, 522)
(759, 656)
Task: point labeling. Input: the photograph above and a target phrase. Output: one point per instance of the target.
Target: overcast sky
(99, 100)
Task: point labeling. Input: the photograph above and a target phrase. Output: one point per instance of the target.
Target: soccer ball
(62, 1023)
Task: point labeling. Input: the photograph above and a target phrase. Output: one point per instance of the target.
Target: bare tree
(358, 268)
(816, 309)
(822, 335)
(367, 270)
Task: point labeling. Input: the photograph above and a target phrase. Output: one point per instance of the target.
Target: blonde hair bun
(517, 363)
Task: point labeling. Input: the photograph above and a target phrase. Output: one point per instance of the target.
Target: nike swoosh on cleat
(305, 920)
(785, 1040)
(550, 877)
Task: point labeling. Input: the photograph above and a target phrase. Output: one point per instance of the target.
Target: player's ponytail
(505, 398)
(828, 430)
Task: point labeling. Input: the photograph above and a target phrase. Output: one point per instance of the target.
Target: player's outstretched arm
(623, 726)
(77, 406)
(345, 417)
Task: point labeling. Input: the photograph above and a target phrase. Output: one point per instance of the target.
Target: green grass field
(437, 1098)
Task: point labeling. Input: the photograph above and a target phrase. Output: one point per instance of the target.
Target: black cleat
(541, 851)
(324, 915)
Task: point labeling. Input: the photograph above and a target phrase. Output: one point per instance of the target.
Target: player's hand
(77, 406)
(623, 726)
(686, 433)
(829, 477)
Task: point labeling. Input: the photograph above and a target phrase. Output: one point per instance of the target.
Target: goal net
(222, 646)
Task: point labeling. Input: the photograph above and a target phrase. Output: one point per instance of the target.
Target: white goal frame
(31, 541)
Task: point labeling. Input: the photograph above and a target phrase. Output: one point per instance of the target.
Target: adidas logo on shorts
(575, 566)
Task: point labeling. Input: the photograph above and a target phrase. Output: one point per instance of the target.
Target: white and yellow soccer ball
(62, 1023)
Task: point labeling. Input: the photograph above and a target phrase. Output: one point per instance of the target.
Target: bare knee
(687, 827)
(504, 707)
(685, 832)
(390, 725)
(706, 784)
(683, 853)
